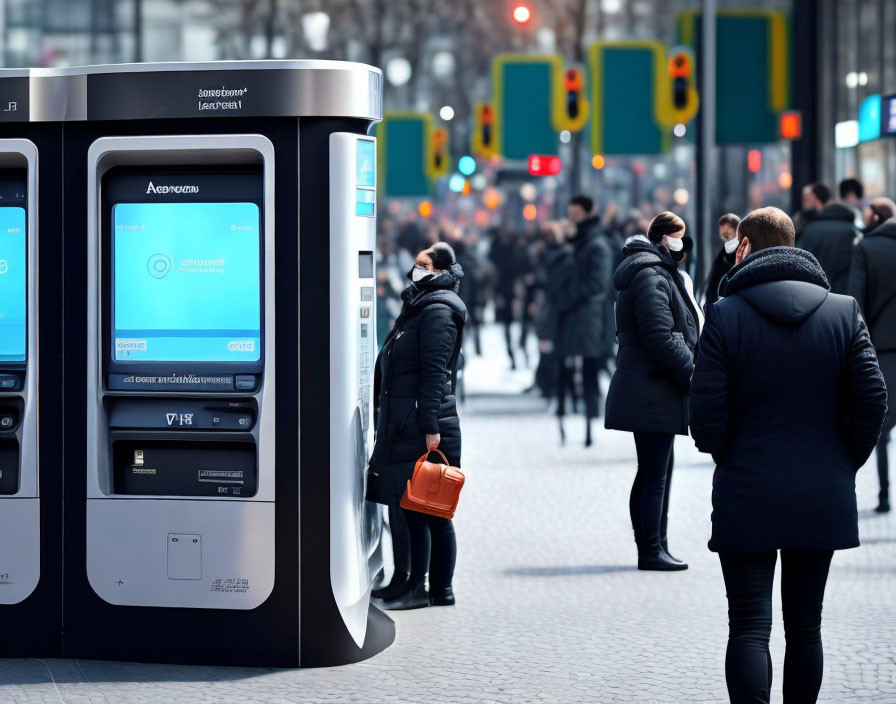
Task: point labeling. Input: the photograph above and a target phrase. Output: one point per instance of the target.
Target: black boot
(588, 439)
(442, 596)
(883, 504)
(664, 545)
(416, 598)
(398, 587)
(651, 556)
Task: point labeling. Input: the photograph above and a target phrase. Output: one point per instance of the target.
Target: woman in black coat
(657, 331)
(416, 412)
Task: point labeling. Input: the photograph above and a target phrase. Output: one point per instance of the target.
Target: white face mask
(674, 243)
(417, 274)
(731, 245)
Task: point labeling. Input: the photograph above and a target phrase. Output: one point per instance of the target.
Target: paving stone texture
(550, 607)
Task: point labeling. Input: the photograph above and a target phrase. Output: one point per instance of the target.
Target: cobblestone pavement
(550, 607)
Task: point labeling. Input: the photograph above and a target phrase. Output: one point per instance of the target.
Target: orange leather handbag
(433, 488)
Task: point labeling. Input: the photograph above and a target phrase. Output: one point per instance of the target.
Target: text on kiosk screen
(12, 284)
(187, 280)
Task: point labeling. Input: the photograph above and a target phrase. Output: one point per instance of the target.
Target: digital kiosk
(220, 231)
(30, 375)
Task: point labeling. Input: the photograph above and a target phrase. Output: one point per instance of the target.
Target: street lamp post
(706, 120)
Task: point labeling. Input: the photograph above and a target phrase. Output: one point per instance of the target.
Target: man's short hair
(883, 208)
(584, 202)
(852, 186)
(730, 219)
(820, 191)
(767, 227)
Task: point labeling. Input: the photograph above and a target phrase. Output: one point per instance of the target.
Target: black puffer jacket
(788, 398)
(657, 332)
(830, 237)
(578, 284)
(872, 281)
(721, 265)
(414, 384)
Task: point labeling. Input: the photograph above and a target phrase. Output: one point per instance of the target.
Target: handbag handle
(429, 452)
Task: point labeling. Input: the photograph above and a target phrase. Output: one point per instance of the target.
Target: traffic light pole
(706, 137)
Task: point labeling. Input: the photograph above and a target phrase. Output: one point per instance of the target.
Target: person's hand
(432, 441)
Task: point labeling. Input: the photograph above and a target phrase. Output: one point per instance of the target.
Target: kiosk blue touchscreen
(187, 281)
(13, 264)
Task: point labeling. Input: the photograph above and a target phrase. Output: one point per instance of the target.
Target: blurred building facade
(437, 53)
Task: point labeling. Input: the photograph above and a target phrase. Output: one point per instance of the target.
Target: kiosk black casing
(296, 106)
(31, 150)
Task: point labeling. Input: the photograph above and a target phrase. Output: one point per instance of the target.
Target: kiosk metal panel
(353, 531)
(180, 407)
(20, 548)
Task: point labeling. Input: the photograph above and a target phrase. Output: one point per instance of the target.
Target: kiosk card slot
(148, 467)
(9, 466)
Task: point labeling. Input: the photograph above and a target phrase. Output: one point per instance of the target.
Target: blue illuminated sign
(365, 164)
(187, 282)
(888, 116)
(365, 178)
(364, 202)
(13, 284)
(869, 118)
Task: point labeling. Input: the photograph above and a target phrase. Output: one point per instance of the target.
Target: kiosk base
(171, 648)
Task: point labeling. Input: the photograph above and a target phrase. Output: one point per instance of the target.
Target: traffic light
(572, 86)
(571, 109)
(483, 138)
(790, 124)
(683, 99)
(522, 13)
(439, 159)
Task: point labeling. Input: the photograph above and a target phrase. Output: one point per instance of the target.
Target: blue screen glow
(13, 264)
(187, 280)
(365, 156)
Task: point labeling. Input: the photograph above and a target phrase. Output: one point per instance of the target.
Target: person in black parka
(416, 412)
(830, 237)
(724, 259)
(578, 281)
(873, 284)
(656, 326)
(788, 398)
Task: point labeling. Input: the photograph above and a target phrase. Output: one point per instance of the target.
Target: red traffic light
(544, 165)
(754, 161)
(680, 65)
(572, 80)
(790, 124)
(522, 14)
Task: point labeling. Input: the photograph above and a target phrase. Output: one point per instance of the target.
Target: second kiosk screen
(13, 283)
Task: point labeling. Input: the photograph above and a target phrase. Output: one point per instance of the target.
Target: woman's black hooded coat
(414, 384)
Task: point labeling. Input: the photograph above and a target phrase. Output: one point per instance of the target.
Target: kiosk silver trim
(126, 533)
(20, 549)
(352, 358)
(311, 88)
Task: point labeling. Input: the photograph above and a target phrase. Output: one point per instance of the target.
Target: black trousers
(401, 538)
(433, 549)
(648, 502)
(590, 387)
(749, 579)
(883, 464)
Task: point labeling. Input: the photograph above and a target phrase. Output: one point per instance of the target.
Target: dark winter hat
(442, 256)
